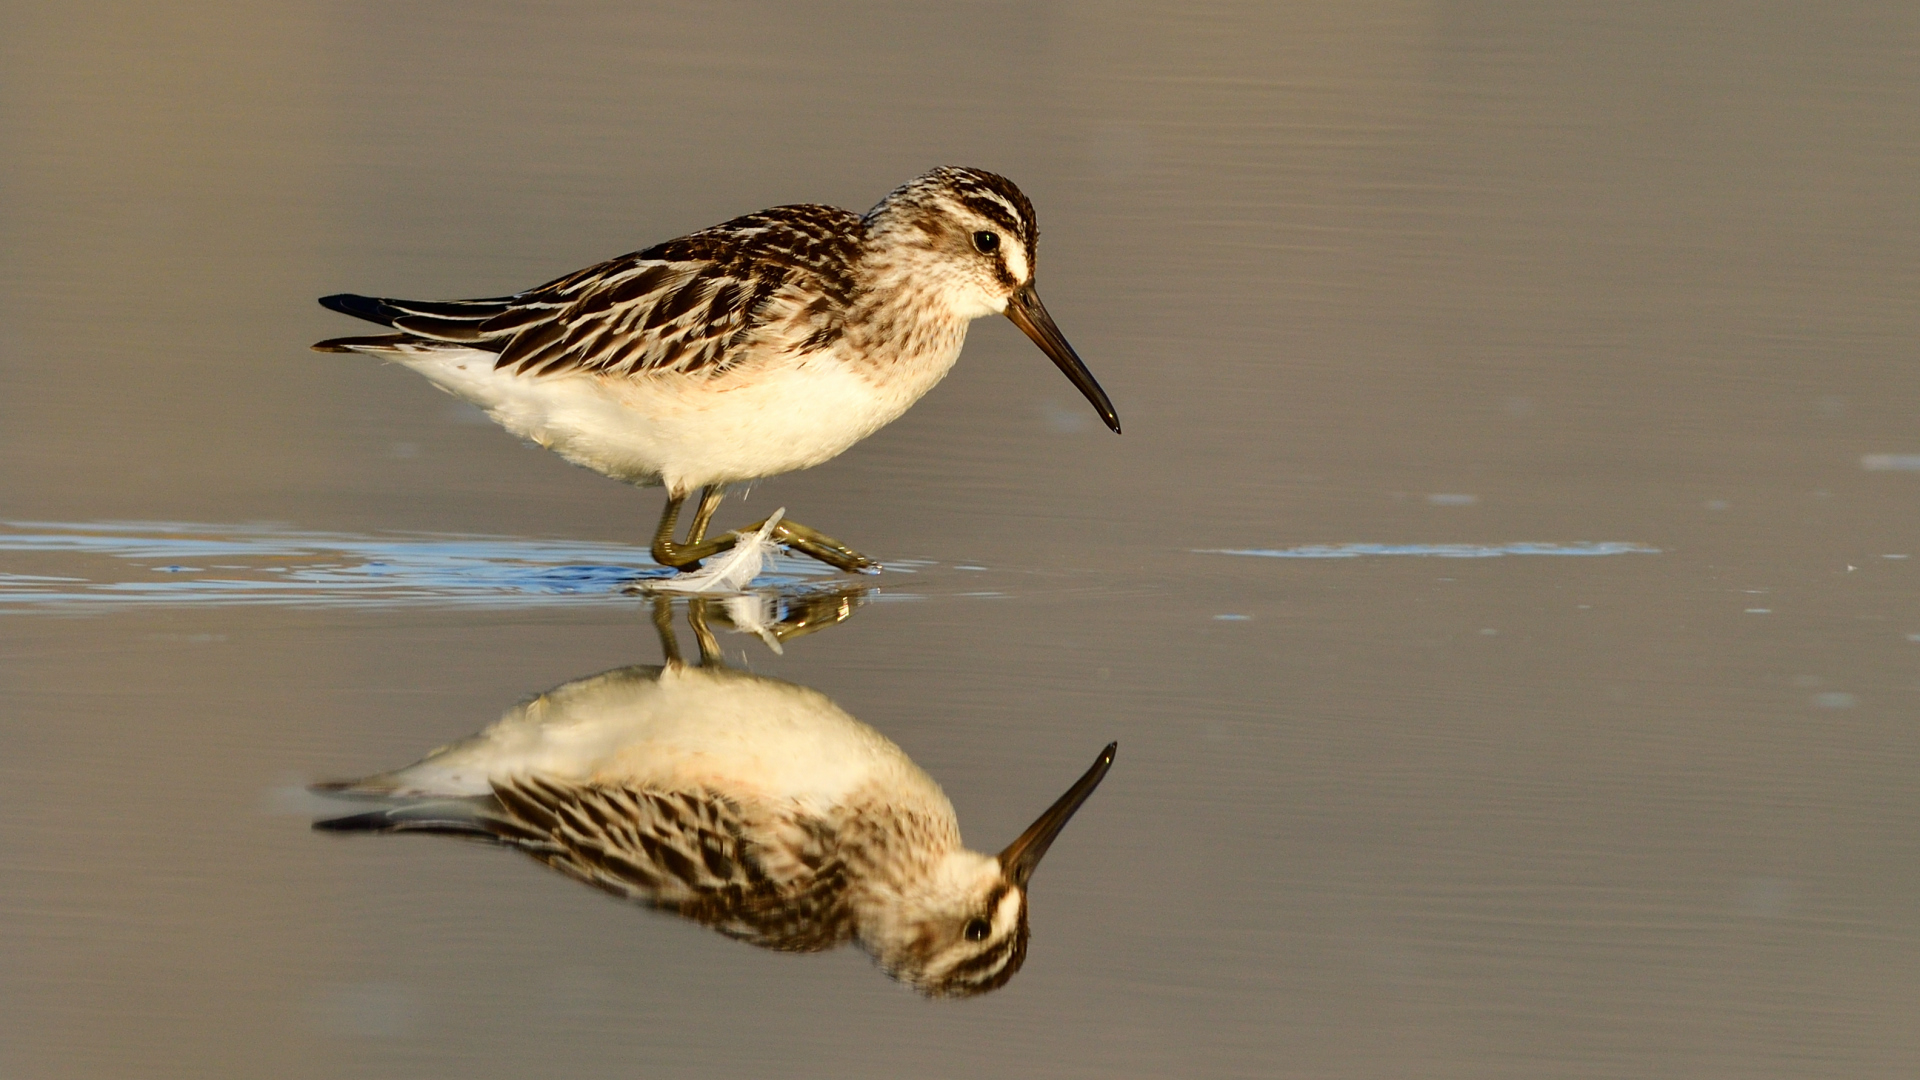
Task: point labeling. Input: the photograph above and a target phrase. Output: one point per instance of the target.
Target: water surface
(1375, 288)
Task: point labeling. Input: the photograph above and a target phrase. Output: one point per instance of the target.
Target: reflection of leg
(811, 614)
(800, 613)
(663, 623)
(702, 634)
(697, 607)
(806, 541)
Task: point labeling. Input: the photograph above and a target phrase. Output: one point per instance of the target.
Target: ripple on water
(118, 563)
(1438, 551)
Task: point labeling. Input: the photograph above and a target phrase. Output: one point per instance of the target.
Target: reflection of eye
(978, 929)
(988, 242)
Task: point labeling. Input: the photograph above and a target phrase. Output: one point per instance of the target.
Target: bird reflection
(747, 804)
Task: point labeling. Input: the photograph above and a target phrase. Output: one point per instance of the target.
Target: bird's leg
(816, 544)
(806, 541)
(702, 517)
(686, 556)
(665, 551)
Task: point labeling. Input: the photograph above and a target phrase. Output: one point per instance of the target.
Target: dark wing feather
(396, 313)
(692, 304)
(680, 851)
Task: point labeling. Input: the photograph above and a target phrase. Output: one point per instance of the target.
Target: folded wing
(699, 303)
(687, 852)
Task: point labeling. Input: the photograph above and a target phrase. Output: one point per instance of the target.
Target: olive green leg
(702, 517)
(814, 543)
(806, 541)
(688, 555)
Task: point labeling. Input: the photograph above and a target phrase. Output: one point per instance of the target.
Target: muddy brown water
(1551, 367)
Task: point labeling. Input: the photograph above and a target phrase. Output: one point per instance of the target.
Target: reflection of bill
(750, 805)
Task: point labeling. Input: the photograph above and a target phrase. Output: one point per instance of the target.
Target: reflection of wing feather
(692, 304)
(685, 852)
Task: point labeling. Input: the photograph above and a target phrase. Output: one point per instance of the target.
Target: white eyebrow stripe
(1016, 256)
(1012, 897)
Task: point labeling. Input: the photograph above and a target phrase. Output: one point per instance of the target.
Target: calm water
(1564, 353)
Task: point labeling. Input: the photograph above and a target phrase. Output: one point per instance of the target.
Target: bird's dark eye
(978, 929)
(988, 242)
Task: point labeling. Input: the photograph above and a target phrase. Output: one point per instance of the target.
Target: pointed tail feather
(374, 343)
(426, 323)
(448, 817)
(370, 308)
(385, 309)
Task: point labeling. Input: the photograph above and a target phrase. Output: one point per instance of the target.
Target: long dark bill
(1024, 854)
(1030, 315)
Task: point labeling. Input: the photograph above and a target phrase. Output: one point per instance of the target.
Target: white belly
(686, 431)
(679, 729)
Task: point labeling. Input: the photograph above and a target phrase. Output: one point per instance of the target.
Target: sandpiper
(762, 345)
(750, 805)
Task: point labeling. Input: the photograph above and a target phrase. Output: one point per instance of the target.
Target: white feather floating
(730, 571)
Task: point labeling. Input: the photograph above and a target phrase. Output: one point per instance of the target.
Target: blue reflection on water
(1439, 551)
(168, 563)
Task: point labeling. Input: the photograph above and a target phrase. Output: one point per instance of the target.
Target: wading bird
(762, 345)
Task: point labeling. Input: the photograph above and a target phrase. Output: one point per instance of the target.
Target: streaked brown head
(972, 934)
